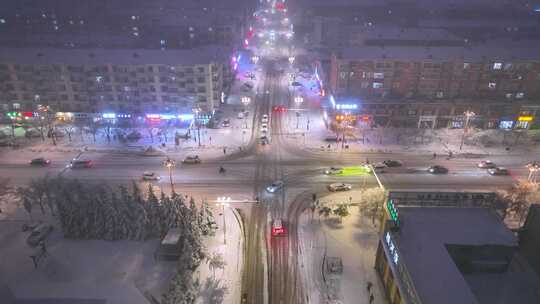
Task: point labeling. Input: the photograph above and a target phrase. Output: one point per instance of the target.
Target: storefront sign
(391, 247)
(525, 118)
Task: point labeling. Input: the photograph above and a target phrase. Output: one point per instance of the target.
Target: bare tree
(341, 211)
(215, 261)
(371, 202)
(519, 198)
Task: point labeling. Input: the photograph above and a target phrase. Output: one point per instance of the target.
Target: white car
(150, 176)
(275, 186)
(339, 187)
(264, 127)
(192, 159)
(264, 118)
(333, 171)
(486, 164)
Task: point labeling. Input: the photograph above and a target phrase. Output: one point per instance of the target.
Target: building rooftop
(202, 55)
(471, 54)
(422, 240)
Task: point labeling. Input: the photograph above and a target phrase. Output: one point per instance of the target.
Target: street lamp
(533, 167)
(468, 114)
(224, 202)
(170, 164)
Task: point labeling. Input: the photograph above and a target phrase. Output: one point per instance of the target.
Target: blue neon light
(108, 115)
(346, 106)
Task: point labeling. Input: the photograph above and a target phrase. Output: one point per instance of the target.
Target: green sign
(394, 215)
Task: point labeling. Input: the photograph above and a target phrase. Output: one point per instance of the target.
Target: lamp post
(246, 100)
(533, 167)
(468, 114)
(224, 202)
(170, 164)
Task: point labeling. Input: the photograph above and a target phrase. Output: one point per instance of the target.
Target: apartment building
(437, 72)
(96, 80)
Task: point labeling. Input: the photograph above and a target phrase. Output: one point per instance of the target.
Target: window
(497, 65)
(364, 84)
(507, 66)
(508, 95)
(440, 94)
(342, 75)
(520, 95)
(395, 85)
(492, 85)
(466, 65)
(377, 85)
(200, 69)
(378, 75)
(411, 112)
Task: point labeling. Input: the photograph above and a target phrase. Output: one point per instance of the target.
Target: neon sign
(346, 106)
(391, 247)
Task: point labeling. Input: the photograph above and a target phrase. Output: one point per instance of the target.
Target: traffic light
(13, 114)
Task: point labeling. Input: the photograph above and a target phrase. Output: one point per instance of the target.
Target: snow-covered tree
(341, 211)
(215, 261)
(371, 202)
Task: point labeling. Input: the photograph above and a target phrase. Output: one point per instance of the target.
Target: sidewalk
(354, 240)
(225, 286)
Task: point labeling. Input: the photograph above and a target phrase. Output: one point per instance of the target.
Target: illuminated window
(497, 66)
(520, 95)
(377, 85)
(466, 65)
(492, 85)
(378, 75)
(508, 95)
(440, 94)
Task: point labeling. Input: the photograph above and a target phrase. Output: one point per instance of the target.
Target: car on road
(264, 140)
(226, 123)
(39, 234)
(333, 171)
(240, 115)
(486, 164)
(275, 186)
(379, 166)
(264, 118)
(264, 127)
(339, 187)
(436, 169)
(40, 162)
(150, 176)
(392, 163)
(278, 229)
(192, 159)
(498, 171)
(80, 163)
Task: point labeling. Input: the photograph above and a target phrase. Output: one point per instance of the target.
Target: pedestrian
(367, 161)
(371, 298)
(434, 155)
(369, 285)
(224, 150)
(210, 139)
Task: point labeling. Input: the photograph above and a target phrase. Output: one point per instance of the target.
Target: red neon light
(28, 114)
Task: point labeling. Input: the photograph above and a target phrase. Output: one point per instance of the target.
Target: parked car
(278, 228)
(264, 140)
(486, 164)
(275, 186)
(264, 118)
(436, 169)
(498, 171)
(78, 163)
(339, 187)
(39, 234)
(150, 176)
(40, 162)
(333, 171)
(392, 163)
(226, 123)
(240, 115)
(192, 159)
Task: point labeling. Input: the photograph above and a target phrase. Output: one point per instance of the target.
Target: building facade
(128, 81)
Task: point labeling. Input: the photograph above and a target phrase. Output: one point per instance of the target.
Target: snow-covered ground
(354, 240)
(412, 140)
(118, 271)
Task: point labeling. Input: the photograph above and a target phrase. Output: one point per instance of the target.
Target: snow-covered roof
(200, 55)
(401, 33)
(471, 54)
(422, 239)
